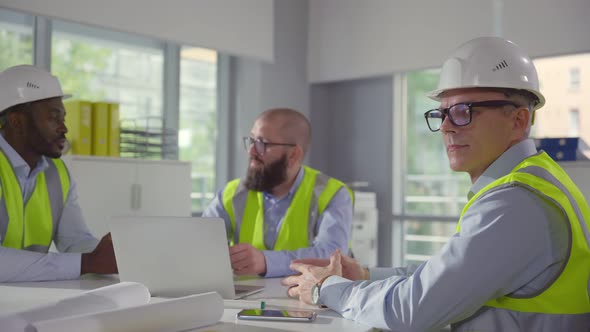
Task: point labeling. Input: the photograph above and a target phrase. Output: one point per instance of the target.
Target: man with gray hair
(520, 259)
(38, 198)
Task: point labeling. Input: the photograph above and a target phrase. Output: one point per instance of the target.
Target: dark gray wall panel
(351, 123)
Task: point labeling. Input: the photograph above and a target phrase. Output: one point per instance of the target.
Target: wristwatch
(315, 290)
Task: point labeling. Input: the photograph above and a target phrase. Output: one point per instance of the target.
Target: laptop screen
(173, 256)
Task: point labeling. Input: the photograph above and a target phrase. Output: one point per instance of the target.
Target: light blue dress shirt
(511, 242)
(333, 228)
(71, 238)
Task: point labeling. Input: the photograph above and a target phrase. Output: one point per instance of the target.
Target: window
(197, 135)
(98, 64)
(104, 65)
(16, 39)
(433, 194)
(423, 238)
(566, 110)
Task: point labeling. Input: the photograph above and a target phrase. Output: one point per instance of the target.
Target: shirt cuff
(67, 265)
(331, 291)
(277, 264)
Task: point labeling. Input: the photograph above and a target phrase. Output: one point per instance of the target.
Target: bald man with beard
(282, 210)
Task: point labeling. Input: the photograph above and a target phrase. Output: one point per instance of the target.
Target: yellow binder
(79, 121)
(114, 130)
(100, 126)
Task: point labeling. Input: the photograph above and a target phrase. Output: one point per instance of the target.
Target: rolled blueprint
(177, 314)
(117, 296)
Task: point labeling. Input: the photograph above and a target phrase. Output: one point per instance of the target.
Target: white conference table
(22, 296)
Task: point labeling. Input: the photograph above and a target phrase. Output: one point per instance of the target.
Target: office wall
(351, 39)
(225, 25)
(257, 86)
(352, 140)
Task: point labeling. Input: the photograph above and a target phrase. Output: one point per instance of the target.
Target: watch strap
(318, 285)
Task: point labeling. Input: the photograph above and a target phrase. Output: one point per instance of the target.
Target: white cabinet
(364, 228)
(125, 187)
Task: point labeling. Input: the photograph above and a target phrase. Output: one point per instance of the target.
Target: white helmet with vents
(26, 83)
(489, 62)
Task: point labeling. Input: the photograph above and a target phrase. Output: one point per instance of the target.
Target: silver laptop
(176, 256)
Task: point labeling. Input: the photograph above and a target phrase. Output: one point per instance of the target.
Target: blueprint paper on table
(179, 314)
(120, 307)
(117, 296)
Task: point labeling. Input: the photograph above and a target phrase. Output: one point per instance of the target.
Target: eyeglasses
(460, 114)
(259, 145)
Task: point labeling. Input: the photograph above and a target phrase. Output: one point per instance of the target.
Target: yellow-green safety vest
(311, 199)
(31, 227)
(568, 293)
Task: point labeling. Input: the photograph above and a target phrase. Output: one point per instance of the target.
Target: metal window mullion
(398, 166)
(42, 43)
(498, 15)
(171, 97)
(226, 138)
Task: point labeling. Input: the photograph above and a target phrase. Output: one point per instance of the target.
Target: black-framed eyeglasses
(460, 114)
(260, 145)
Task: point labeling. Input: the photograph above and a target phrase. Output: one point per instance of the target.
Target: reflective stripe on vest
(31, 227)
(567, 293)
(311, 199)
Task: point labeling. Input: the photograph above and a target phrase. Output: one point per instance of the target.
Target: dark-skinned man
(38, 198)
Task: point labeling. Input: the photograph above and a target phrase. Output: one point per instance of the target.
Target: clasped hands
(313, 270)
(247, 260)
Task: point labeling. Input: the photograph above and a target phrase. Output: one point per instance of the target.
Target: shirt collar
(504, 164)
(294, 187)
(19, 165)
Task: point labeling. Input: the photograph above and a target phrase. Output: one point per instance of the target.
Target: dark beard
(269, 177)
(37, 141)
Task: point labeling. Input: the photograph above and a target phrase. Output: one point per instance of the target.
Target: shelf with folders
(146, 138)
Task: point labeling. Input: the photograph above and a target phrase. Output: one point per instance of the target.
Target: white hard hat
(489, 62)
(26, 83)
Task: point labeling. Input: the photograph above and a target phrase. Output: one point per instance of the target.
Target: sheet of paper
(121, 295)
(178, 314)
(16, 298)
